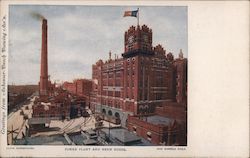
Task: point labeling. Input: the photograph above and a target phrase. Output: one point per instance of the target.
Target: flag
(130, 13)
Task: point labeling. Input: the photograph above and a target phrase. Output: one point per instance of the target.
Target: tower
(181, 54)
(43, 84)
(138, 40)
(181, 78)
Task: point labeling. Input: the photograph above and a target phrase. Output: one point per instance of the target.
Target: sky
(78, 36)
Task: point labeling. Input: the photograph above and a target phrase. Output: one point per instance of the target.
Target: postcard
(115, 79)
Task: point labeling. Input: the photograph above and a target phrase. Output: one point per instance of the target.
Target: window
(117, 115)
(117, 93)
(117, 83)
(141, 82)
(128, 71)
(110, 75)
(127, 83)
(118, 105)
(118, 74)
(158, 96)
(41, 114)
(104, 92)
(140, 96)
(103, 111)
(174, 138)
(149, 137)
(146, 96)
(134, 129)
(109, 103)
(110, 93)
(132, 95)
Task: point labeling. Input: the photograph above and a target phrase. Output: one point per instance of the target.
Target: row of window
(110, 93)
(110, 83)
(117, 104)
(113, 65)
(131, 71)
(110, 75)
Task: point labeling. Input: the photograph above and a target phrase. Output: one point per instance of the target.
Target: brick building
(79, 87)
(70, 87)
(63, 105)
(145, 78)
(158, 129)
(167, 126)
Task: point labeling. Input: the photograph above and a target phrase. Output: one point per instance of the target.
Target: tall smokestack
(43, 84)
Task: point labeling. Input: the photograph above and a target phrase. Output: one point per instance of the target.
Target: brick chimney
(43, 84)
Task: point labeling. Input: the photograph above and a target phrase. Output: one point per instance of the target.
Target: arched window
(117, 115)
(103, 111)
(110, 112)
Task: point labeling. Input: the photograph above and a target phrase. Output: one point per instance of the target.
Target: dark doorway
(103, 111)
(73, 112)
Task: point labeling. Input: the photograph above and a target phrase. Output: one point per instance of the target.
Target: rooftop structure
(159, 120)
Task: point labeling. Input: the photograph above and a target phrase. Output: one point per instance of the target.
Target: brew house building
(145, 90)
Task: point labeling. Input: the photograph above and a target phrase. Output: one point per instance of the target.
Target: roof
(42, 140)
(89, 141)
(123, 135)
(38, 120)
(91, 132)
(159, 120)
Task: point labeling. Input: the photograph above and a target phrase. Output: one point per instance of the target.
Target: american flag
(130, 13)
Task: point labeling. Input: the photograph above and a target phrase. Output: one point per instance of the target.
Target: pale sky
(78, 36)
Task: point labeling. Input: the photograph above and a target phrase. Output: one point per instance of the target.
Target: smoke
(37, 16)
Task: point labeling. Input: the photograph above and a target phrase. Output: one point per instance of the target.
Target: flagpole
(138, 17)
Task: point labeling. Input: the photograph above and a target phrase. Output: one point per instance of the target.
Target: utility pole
(12, 134)
(109, 128)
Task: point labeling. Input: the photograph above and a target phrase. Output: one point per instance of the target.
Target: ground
(17, 121)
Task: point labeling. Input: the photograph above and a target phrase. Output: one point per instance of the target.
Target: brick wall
(172, 110)
(80, 87)
(157, 132)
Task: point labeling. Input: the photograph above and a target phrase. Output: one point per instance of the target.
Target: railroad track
(80, 125)
(67, 125)
(24, 122)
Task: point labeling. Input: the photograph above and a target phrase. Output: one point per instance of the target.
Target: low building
(62, 105)
(158, 130)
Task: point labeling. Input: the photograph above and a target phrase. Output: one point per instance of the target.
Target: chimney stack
(43, 84)
(181, 54)
(109, 55)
